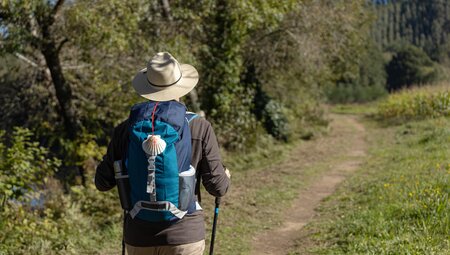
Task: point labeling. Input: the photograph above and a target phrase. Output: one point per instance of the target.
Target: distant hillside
(425, 24)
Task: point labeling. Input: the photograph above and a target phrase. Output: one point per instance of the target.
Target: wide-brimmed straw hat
(165, 79)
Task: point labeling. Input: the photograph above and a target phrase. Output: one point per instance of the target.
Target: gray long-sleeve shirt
(205, 157)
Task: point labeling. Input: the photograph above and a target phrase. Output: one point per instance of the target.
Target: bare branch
(33, 26)
(61, 44)
(50, 18)
(57, 7)
(26, 60)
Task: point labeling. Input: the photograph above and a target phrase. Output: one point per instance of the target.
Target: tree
(75, 47)
(421, 23)
(60, 38)
(227, 97)
(410, 66)
(32, 23)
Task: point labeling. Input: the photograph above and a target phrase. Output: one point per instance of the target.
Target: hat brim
(187, 82)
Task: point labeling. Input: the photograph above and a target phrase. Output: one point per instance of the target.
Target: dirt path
(343, 150)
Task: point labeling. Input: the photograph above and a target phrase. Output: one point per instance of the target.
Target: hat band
(165, 85)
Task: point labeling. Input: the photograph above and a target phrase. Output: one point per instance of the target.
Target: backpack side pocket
(187, 188)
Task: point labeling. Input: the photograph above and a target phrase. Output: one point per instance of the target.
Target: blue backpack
(162, 184)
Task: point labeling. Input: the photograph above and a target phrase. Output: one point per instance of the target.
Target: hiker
(164, 151)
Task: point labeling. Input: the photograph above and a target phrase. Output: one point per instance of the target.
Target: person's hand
(227, 172)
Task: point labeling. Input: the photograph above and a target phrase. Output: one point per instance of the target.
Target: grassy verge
(360, 109)
(257, 194)
(247, 207)
(416, 103)
(397, 204)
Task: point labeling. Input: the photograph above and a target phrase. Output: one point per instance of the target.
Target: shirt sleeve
(211, 169)
(104, 174)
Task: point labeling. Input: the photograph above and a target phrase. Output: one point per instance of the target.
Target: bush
(410, 65)
(351, 93)
(24, 166)
(369, 83)
(275, 120)
(372, 67)
(272, 114)
(37, 217)
(416, 103)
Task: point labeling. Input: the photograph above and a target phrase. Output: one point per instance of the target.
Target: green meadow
(398, 201)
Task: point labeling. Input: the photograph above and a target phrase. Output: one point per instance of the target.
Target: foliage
(66, 50)
(367, 85)
(101, 208)
(352, 93)
(410, 66)
(372, 66)
(222, 39)
(399, 203)
(229, 103)
(307, 54)
(416, 103)
(25, 166)
(60, 228)
(275, 120)
(36, 216)
(421, 23)
(263, 66)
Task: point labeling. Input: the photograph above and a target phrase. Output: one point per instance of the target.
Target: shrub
(351, 93)
(416, 103)
(24, 166)
(410, 65)
(37, 217)
(275, 120)
(368, 84)
(272, 114)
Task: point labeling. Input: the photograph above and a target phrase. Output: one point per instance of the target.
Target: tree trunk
(62, 88)
(166, 9)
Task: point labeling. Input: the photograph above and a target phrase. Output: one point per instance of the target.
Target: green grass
(399, 201)
(250, 192)
(362, 109)
(257, 193)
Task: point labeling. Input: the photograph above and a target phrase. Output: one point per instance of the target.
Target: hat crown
(163, 70)
(165, 79)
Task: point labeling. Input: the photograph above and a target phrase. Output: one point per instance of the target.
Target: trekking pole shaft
(213, 235)
(123, 237)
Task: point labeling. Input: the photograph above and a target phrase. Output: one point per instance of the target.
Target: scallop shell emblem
(153, 145)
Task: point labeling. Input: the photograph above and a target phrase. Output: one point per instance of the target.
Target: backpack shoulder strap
(190, 116)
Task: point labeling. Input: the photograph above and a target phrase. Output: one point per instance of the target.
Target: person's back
(180, 236)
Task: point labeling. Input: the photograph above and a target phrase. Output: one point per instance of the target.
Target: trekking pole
(213, 235)
(123, 234)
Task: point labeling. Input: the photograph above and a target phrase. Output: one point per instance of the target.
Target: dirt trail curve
(343, 150)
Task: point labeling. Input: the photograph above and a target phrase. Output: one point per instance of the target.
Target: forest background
(266, 68)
